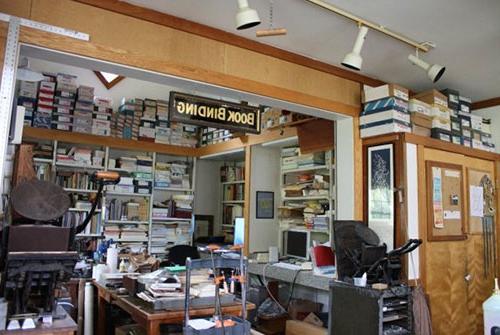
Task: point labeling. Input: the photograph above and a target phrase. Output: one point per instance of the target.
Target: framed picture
(381, 192)
(265, 205)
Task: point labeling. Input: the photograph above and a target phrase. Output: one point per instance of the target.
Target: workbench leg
(153, 328)
(102, 316)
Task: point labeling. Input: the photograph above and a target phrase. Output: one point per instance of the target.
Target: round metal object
(40, 200)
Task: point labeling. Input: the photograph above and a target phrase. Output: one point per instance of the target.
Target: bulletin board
(445, 202)
(476, 212)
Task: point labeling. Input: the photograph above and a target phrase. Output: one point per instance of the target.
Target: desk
(146, 316)
(66, 326)
(304, 278)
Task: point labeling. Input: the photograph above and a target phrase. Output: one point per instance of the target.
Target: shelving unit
(232, 201)
(183, 227)
(300, 179)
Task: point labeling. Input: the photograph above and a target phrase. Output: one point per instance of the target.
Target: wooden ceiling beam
(219, 35)
(486, 103)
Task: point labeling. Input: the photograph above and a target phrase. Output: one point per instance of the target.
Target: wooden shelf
(292, 124)
(123, 194)
(304, 169)
(305, 198)
(82, 210)
(125, 222)
(173, 189)
(229, 202)
(233, 182)
(159, 220)
(79, 190)
(114, 142)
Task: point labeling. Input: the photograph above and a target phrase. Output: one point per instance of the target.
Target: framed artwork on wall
(380, 188)
(264, 205)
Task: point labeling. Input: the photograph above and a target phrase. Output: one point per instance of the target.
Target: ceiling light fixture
(246, 17)
(434, 71)
(353, 59)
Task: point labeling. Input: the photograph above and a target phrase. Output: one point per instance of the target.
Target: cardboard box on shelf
(466, 142)
(417, 106)
(440, 112)
(385, 128)
(465, 104)
(421, 120)
(383, 116)
(421, 131)
(466, 132)
(443, 124)
(433, 97)
(456, 139)
(453, 97)
(384, 91)
(385, 104)
(476, 122)
(456, 125)
(465, 120)
(441, 134)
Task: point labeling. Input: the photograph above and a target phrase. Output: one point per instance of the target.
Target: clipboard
(445, 202)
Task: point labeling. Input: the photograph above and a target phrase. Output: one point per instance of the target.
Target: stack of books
(101, 117)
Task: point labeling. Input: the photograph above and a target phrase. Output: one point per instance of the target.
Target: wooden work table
(66, 326)
(146, 316)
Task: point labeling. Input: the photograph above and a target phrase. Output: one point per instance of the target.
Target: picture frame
(264, 205)
(380, 192)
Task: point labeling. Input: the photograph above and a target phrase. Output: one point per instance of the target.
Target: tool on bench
(220, 325)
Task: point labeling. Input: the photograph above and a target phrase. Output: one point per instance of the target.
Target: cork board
(474, 180)
(445, 219)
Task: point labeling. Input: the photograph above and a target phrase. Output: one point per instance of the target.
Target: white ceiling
(467, 35)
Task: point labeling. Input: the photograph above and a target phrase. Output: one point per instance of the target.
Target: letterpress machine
(36, 250)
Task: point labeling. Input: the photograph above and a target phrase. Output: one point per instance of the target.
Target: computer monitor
(296, 243)
(239, 231)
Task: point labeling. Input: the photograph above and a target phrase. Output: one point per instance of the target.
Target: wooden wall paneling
(19, 8)
(422, 209)
(163, 49)
(248, 196)
(359, 192)
(226, 37)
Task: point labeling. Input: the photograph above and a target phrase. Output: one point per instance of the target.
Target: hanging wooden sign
(192, 109)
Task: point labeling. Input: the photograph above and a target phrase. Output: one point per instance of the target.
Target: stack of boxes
(464, 113)
(148, 121)
(27, 98)
(125, 119)
(454, 106)
(385, 110)
(66, 90)
(421, 119)
(101, 117)
(84, 108)
(439, 112)
(45, 102)
(162, 130)
(486, 137)
(144, 168)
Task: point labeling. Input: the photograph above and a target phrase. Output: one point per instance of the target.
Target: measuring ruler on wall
(8, 81)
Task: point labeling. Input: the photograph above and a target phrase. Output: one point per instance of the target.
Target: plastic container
(491, 311)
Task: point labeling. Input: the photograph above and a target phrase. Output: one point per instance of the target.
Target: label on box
(476, 122)
(441, 124)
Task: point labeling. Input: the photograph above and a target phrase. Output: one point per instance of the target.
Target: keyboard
(288, 266)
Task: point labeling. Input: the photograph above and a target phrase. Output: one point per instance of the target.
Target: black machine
(36, 256)
(359, 251)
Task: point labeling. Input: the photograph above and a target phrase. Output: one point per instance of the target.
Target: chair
(179, 253)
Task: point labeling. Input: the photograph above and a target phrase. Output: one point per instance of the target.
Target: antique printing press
(36, 250)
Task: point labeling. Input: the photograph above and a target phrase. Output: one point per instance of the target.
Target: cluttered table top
(305, 278)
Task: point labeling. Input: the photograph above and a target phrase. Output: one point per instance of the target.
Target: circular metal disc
(40, 200)
(367, 235)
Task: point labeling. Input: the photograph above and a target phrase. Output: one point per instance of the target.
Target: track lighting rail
(420, 46)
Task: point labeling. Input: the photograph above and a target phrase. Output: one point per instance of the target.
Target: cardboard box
(453, 97)
(385, 104)
(441, 124)
(384, 91)
(456, 139)
(384, 116)
(476, 122)
(456, 125)
(486, 127)
(441, 134)
(421, 131)
(421, 120)
(433, 97)
(386, 128)
(465, 104)
(440, 112)
(477, 144)
(417, 106)
(465, 120)
(294, 327)
(466, 142)
(466, 132)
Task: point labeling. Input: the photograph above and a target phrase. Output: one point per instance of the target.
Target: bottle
(491, 311)
(123, 266)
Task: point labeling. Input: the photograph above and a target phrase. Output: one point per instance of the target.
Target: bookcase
(308, 193)
(151, 207)
(232, 180)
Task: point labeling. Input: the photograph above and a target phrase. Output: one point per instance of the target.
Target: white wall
(344, 162)
(265, 177)
(207, 191)
(129, 87)
(492, 113)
